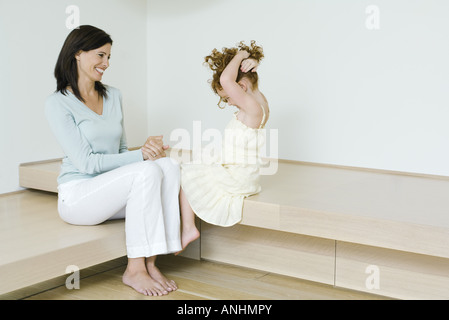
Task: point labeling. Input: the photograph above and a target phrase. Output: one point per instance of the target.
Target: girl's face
(93, 63)
(224, 99)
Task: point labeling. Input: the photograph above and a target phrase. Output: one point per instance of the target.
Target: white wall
(32, 34)
(339, 92)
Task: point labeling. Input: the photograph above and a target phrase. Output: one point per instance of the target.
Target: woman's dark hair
(83, 38)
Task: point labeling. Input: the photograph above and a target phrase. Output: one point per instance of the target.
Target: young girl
(215, 192)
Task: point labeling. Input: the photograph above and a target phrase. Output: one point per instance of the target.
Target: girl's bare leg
(189, 232)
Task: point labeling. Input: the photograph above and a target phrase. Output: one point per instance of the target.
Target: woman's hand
(249, 65)
(154, 148)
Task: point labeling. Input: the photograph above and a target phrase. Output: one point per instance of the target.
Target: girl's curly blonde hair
(217, 62)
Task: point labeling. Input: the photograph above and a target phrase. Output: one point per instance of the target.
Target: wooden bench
(36, 245)
(369, 230)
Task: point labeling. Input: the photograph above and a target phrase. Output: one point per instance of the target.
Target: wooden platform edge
(335, 226)
(35, 269)
(343, 231)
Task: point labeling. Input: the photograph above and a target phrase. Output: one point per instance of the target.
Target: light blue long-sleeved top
(92, 143)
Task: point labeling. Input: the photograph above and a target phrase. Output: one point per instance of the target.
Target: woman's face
(93, 63)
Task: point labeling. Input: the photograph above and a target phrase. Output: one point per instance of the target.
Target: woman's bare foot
(156, 274)
(140, 280)
(187, 236)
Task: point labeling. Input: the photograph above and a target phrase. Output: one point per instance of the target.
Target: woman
(100, 179)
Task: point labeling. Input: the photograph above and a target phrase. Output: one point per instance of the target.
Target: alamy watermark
(372, 21)
(73, 20)
(212, 146)
(73, 280)
(372, 282)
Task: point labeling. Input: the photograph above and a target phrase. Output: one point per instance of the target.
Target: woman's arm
(77, 148)
(123, 141)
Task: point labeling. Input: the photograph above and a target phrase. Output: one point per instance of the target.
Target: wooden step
(378, 232)
(390, 210)
(330, 224)
(41, 175)
(36, 245)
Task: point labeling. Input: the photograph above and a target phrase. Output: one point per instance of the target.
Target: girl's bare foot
(189, 231)
(140, 280)
(156, 274)
(187, 236)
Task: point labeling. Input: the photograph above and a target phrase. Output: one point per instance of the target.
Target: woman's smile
(100, 71)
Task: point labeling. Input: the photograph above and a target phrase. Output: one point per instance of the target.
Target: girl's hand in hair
(249, 65)
(243, 54)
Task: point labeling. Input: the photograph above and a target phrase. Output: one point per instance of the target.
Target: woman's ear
(78, 54)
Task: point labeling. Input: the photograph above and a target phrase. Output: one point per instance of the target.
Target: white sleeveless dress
(216, 190)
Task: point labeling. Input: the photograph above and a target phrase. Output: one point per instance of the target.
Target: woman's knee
(151, 170)
(169, 166)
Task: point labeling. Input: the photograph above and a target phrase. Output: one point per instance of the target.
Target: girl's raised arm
(236, 92)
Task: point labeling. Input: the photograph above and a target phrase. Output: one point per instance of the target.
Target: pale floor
(197, 280)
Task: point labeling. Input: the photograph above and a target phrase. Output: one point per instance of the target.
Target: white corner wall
(340, 92)
(32, 34)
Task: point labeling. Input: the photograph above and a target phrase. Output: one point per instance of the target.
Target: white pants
(144, 193)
